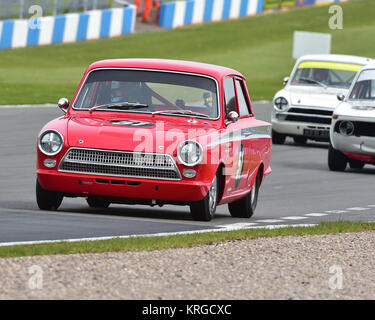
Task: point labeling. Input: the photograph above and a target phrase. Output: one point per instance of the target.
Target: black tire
(96, 202)
(300, 140)
(356, 164)
(47, 200)
(278, 138)
(204, 210)
(245, 207)
(336, 160)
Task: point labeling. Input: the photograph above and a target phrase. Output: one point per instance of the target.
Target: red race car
(155, 132)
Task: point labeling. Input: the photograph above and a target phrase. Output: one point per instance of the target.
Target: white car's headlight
(190, 153)
(280, 103)
(50, 142)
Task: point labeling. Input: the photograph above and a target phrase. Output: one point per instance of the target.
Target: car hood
(357, 109)
(133, 134)
(313, 96)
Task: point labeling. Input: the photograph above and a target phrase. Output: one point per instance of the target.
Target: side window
(242, 102)
(229, 96)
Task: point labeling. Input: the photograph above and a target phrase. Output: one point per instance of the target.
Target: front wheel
(204, 210)
(95, 202)
(336, 160)
(300, 140)
(245, 207)
(47, 200)
(356, 164)
(278, 138)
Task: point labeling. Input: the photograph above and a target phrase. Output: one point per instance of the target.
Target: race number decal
(240, 165)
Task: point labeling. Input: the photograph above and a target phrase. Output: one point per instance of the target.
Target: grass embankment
(260, 47)
(178, 241)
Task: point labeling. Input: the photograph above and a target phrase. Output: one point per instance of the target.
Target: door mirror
(233, 116)
(285, 80)
(63, 104)
(340, 96)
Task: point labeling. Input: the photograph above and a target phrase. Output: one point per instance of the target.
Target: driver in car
(124, 92)
(321, 75)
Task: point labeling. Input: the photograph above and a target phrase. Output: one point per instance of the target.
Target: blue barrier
(67, 28)
(180, 13)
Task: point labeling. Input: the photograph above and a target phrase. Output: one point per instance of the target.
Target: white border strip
(163, 234)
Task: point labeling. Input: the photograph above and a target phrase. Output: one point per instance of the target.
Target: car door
(238, 148)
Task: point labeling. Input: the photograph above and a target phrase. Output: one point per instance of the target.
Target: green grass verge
(179, 241)
(260, 47)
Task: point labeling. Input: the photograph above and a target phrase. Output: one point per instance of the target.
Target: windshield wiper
(120, 106)
(314, 81)
(189, 112)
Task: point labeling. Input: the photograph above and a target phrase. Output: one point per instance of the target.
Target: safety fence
(70, 27)
(23, 8)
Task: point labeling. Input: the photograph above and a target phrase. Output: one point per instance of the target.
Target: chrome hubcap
(253, 193)
(213, 196)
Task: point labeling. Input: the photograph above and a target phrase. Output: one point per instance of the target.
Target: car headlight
(280, 103)
(346, 128)
(50, 142)
(190, 153)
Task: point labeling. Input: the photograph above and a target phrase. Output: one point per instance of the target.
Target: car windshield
(325, 74)
(364, 88)
(149, 91)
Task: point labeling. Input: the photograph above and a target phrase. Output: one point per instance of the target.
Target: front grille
(120, 164)
(302, 118)
(311, 111)
(307, 114)
(361, 128)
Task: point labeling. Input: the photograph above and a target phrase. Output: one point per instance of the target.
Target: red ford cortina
(155, 132)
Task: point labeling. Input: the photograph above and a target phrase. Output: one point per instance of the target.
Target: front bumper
(82, 185)
(295, 128)
(362, 146)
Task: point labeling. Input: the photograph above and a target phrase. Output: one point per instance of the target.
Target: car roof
(369, 66)
(337, 58)
(215, 71)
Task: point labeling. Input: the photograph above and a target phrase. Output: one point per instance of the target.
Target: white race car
(353, 124)
(303, 108)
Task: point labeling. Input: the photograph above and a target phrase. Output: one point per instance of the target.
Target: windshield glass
(364, 88)
(327, 74)
(149, 91)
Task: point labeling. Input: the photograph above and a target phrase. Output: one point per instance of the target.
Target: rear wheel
(300, 140)
(356, 164)
(204, 210)
(96, 202)
(278, 138)
(47, 200)
(245, 207)
(336, 160)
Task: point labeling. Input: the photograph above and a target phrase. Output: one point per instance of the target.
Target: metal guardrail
(20, 8)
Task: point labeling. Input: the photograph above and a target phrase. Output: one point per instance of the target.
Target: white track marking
(269, 221)
(165, 234)
(357, 209)
(336, 211)
(293, 218)
(316, 214)
(237, 226)
(371, 205)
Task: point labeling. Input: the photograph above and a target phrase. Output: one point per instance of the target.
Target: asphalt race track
(300, 190)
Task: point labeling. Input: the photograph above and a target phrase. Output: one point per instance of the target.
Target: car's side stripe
(243, 134)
